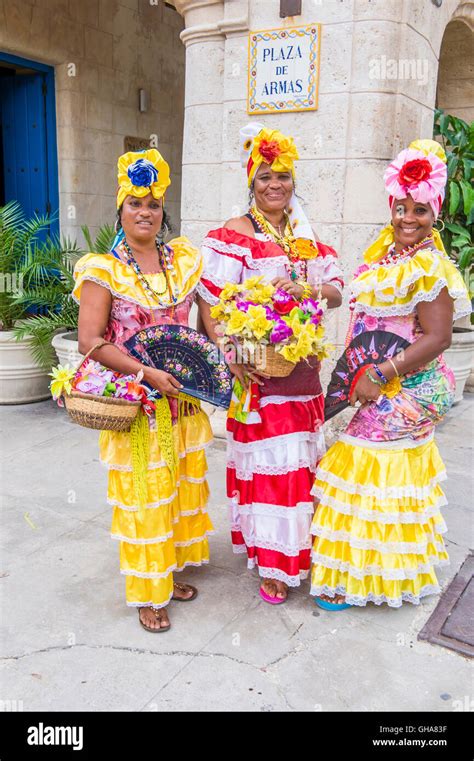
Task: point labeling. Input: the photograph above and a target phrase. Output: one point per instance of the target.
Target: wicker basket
(102, 413)
(273, 364)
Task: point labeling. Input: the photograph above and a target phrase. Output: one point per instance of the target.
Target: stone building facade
(190, 57)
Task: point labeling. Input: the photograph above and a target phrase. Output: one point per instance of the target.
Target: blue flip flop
(325, 605)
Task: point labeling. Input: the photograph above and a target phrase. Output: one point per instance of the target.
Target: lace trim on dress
(392, 445)
(272, 545)
(239, 549)
(206, 295)
(423, 516)
(272, 470)
(140, 575)
(150, 604)
(368, 490)
(155, 540)
(384, 285)
(196, 540)
(273, 441)
(404, 548)
(461, 309)
(392, 602)
(246, 254)
(265, 400)
(390, 574)
(276, 573)
(280, 511)
(148, 506)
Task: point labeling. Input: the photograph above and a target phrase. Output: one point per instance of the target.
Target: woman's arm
(436, 320)
(94, 312)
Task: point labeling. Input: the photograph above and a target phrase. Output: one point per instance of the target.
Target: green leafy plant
(457, 213)
(41, 305)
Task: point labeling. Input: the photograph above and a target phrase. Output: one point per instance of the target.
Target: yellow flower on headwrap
(140, 173)
(429, 146)
(274, 148)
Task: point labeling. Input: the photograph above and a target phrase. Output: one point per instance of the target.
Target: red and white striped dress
(271, 464)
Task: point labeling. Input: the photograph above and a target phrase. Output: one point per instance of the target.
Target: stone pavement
(69, 642)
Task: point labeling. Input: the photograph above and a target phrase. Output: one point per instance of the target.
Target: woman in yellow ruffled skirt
(157, 472)
(378, 527)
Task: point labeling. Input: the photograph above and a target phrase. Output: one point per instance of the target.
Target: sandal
(185, 588)
(159, 629)
(326, 605)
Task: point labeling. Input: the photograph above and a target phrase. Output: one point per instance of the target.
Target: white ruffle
(150, 604)
(323, 270)
(257, 540)
(392, 602)
(206, 294)
(287, 439)
(368, 490)
(161, 463)
(276, 573)
(416, 548)
(239, 549)
(196, 540)
(276, 456)
(419, 517)
(175, 568)
(462, 306)
(154, 540)
(266, 400)
(279, 511)
(390, 574)
(367, 286)
(391, 445)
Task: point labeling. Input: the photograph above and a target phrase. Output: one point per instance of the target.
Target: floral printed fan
(372, 347)
(188, 356)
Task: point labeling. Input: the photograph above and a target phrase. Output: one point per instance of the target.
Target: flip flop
(184, 588)
(325, 605)
(159, 629)
(270, 599)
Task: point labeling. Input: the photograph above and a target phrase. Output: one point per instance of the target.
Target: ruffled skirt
(171, 532)
(270, 472)
(378, 527)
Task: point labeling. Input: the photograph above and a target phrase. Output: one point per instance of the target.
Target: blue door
(28, 127)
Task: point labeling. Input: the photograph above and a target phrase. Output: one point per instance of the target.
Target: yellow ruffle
(377, 526)
(396, 289)
(171, 531)
(122, 281)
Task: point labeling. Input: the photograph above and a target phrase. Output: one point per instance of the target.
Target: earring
(439, 229)
(117, 225)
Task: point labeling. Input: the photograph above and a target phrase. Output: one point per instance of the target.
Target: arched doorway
(455, 90)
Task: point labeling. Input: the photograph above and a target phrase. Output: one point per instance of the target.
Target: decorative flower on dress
(419, 174)
(140, 173)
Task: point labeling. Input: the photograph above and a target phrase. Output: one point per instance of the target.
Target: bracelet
(394, 367)
(380, 374)
(307, 290)
(371, 377)
(355, 380)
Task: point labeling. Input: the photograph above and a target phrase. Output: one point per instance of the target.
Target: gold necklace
(295, 266)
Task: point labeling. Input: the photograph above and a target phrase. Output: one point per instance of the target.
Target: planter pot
(66, 348)
(459, 357)
(21, 379)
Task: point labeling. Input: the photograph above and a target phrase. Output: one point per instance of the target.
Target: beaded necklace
(295, 267)
(392, 257)
(165, 261)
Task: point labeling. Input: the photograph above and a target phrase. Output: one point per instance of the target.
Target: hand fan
(371, 347)
(188, 356)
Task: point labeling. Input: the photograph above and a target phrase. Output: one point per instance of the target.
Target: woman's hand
(247, 374)
(365, 391)
(293, 289)
(162, 381)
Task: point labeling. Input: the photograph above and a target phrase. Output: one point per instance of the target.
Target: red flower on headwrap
(414, 172)
(269, 149)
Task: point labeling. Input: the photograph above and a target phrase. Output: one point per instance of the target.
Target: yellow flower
(305, 249)
(229, 290)
(256, 312)
(237, 322)
(251, 282)
(259, 326)
(62, 377)
(217, 312)
(262, 295)
(392, 388)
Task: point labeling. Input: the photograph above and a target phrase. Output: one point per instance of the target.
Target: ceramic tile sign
(284, 70)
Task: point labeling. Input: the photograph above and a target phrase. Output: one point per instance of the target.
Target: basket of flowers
(271, 329)
(99, 398)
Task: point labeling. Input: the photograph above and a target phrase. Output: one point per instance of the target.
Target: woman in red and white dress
(272, 455)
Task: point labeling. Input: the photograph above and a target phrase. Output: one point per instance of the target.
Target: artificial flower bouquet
(119, 396)
(273, 329)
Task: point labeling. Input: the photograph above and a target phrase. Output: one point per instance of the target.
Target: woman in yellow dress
(144, 282)
(378, 527)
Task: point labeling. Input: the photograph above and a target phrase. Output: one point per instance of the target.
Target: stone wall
(456, 72)
(365, 114)
(103, 51)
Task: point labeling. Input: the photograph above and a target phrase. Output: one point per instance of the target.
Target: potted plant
(65, 343)
(22, 377)
(457, 215)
